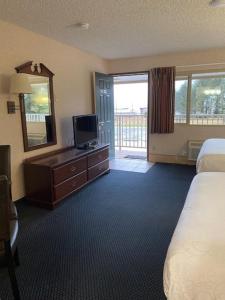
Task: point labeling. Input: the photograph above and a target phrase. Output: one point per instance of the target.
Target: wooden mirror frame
(38, 70)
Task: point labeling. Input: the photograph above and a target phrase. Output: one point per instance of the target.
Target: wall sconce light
(19, 84)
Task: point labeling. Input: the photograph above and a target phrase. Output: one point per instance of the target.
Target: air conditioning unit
(193, 149)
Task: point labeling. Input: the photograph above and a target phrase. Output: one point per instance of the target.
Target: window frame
(189, 76)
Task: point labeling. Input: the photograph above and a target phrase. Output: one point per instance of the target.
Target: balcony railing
(35, 117)
(131, 130)
(200, 119)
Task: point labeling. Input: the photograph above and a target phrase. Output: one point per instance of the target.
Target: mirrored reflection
(38, 112)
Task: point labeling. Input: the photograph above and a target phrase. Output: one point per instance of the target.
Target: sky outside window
(130, 97)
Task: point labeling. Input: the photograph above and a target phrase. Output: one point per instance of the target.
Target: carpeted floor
(107, 242)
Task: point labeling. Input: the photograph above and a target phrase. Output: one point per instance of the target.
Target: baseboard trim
(170, 159)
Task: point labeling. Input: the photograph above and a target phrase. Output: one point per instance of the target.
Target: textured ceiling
(122, 28)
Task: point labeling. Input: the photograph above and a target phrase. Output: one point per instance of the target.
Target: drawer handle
(73, 169)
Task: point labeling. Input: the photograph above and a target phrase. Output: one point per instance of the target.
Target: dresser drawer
(98, 169)
(97, 157)
(69, 170)
(70, 185)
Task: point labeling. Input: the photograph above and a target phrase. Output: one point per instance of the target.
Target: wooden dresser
(51, 177)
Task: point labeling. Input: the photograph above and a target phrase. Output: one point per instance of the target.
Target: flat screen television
(85, 130)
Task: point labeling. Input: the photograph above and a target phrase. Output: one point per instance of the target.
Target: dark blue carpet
(107, 242)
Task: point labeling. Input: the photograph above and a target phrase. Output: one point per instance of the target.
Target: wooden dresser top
(60, 157)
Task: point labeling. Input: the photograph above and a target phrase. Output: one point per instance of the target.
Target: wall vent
(193, 149)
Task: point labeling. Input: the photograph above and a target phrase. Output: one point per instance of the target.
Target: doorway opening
(121, 104)
(131, 116)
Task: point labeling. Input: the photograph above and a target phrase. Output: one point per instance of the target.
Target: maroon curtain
(161, 99)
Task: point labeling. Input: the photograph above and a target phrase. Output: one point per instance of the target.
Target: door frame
(148, 102)
(94, 93)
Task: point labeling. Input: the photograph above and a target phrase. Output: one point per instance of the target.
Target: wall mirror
(37, 108)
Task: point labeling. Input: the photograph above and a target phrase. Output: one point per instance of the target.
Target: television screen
(85, 129)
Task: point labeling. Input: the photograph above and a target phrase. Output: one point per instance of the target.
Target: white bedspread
(211, 157)
(195, 264)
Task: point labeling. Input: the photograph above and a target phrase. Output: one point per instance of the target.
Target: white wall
(72, 88)
(176, 143)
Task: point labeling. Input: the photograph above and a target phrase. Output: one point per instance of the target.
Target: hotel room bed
(195, 263)
(211, 157)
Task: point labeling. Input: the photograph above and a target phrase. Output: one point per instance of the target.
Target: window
(205, 103)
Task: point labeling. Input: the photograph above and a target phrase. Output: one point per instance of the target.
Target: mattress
(195, 264)
(211, 157)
